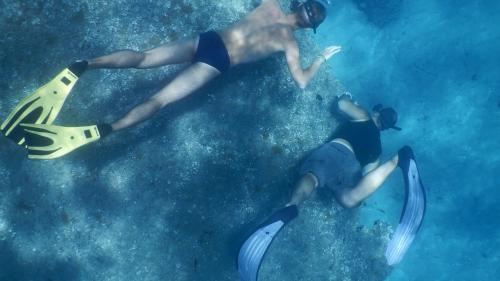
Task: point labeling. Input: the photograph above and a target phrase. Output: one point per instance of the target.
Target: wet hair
(318, 14)
(388, 117)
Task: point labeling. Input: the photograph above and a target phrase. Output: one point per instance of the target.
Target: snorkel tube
(315, 11)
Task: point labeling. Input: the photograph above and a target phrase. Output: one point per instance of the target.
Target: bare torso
(261, 33)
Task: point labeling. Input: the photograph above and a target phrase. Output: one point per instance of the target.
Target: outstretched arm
(352, 110)
(368, 184)
(303, 76)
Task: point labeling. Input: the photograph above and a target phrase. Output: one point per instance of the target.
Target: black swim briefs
(212, 51)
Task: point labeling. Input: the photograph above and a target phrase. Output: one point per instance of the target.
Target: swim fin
(49, 141)
(43, 106)
(252, 252)
(413, 211)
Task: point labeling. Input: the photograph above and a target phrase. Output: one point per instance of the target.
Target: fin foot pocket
(79, 67)
(49, 141)
(404, 156)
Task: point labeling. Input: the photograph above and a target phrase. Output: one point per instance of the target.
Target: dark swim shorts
(212, 51)
(334, 165)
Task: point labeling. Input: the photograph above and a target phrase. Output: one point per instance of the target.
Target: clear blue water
(173, 198)
(437, 63)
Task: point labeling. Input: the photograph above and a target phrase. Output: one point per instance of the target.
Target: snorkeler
(265, 31)
(349, 165)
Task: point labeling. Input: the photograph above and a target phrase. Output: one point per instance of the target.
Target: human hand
(330, 51)
(348, 94)
(345, 95)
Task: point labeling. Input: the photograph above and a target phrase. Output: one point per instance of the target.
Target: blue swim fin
(253, 250)
(413, 210)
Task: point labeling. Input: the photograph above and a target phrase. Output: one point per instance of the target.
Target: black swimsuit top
(364, 138)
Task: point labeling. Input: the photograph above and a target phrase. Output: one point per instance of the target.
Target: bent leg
(171, 53)
(370, 183)
(184, 84)
(305, 186)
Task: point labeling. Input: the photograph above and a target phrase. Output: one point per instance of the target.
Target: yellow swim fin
(49, 141)
(43, 106)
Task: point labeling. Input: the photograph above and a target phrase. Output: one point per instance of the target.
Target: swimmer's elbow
(349, 204)
(347, 201)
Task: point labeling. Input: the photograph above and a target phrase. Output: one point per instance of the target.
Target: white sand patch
(117, 176)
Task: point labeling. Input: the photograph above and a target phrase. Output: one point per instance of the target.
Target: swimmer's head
(312, 13)
(387, 117)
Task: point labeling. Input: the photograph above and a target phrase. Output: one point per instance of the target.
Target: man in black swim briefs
(263, 32)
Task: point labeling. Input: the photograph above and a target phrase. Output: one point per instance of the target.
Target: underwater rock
(134, 206)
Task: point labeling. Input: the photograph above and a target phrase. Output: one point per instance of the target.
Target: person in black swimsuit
(349, 164)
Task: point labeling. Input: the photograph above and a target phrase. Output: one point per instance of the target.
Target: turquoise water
(173, 198)
(436, 62)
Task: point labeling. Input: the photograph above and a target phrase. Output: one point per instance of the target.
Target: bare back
(261, 33)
